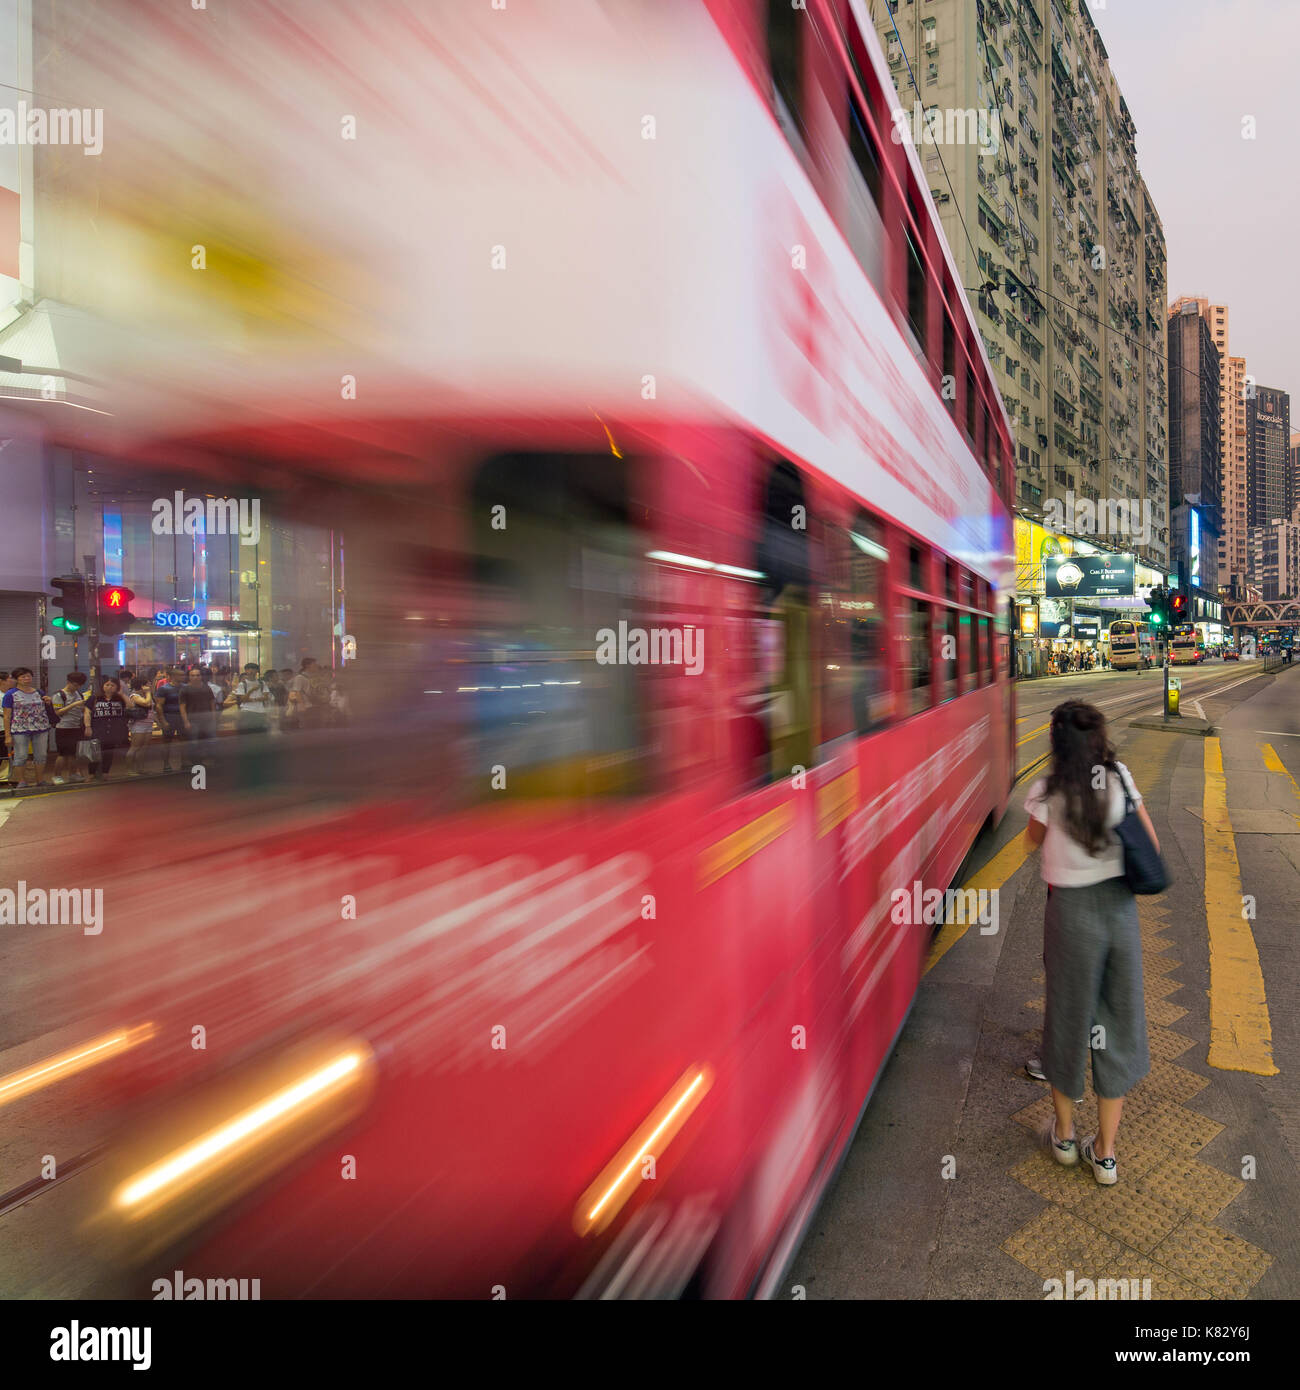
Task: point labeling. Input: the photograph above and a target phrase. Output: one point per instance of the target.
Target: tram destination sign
(1088, 576)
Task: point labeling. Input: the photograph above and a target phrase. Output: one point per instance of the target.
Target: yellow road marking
(992, 876)
(1275, 764)
(731, 852)
(1034, 733)
(1241, 1036)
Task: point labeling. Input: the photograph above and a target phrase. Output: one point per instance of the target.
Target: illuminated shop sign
(168, 618)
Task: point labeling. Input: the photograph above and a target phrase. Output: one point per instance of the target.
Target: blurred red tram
(620, 969)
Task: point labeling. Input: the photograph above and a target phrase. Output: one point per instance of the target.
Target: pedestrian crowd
(78, 732)
(1069, 663)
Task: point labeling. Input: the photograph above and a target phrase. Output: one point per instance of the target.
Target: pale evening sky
(1191, 70)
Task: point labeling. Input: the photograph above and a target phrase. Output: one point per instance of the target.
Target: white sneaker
(59, 781)
(1103, 1169)
(1065, 1151)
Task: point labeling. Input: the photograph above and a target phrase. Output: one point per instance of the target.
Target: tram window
(917, 578)
(835, 674)
(785, 56)
(949, 363)
(862, 146)
(916, 288)
(971, 634)
(863, 226)
(986, 652)
(872, 697)
(914, 641)
(947, 673)
(781, 697)
(569, 567)
(970, 406)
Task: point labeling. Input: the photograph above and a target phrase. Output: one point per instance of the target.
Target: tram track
(1131, 702)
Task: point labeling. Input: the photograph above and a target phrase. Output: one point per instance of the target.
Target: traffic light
(71, 599)
(115, 614)
(1157, 602)
(1178, 607)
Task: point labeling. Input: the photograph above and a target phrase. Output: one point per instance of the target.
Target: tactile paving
(1223, 1264)
(1162, 1013)
(1139, 1219)
(1160, 965)
(1166, 1081)
(1182, 1133)
(1191, 1186)
(1165, 1046)
(1041, 1173)
(1160, 986)
(1056, 1241)
(1039, 1006)
(1165, 1284)
(1155, 943)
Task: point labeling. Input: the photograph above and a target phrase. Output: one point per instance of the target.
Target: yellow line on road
(1275, 764)
(991, 877)
(1241, 1036)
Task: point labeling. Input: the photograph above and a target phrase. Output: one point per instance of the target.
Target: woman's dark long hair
(1080, 746)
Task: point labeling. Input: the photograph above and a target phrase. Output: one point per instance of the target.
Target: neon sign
(168, 618)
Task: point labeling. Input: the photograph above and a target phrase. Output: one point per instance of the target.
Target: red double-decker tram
(675, 488)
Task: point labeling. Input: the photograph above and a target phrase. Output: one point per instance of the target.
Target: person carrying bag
(1099, 849)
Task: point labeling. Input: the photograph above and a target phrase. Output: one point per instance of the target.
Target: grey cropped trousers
(1092, 953)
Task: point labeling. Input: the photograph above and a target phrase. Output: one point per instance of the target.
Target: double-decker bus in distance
(1131, 645)
(1186, 648)
(675, 491)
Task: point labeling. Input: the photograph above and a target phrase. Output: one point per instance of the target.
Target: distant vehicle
(1185, 650)
(1231, 654)
(1131, 646)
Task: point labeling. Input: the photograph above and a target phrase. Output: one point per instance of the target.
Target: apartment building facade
(1275, 559)
(1269, 488)
(1195, 444)
(1067, 270)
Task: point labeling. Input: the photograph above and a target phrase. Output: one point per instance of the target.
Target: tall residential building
(1195, 445)
(1275, 559)
(1234, 547)
(1295, 477)
(1067, 273)
(1268, 456)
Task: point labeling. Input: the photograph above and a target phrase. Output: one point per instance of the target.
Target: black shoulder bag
(1143, 867)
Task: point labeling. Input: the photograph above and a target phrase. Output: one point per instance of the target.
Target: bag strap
(1124, 787)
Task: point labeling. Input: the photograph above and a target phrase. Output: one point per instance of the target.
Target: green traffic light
(67, 625)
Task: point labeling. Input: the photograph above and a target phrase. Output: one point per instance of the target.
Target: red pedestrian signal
(115, 614)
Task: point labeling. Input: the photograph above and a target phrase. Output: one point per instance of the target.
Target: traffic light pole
(92, 616)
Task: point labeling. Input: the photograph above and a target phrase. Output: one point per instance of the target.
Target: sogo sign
(167, 618)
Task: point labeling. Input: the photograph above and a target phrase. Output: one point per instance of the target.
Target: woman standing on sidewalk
(1092, 949)
(106, 719)
(139, 707)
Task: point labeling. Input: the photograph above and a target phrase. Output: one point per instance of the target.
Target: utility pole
(92, 618)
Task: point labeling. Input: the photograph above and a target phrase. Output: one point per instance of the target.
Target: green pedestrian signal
(72, 599)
